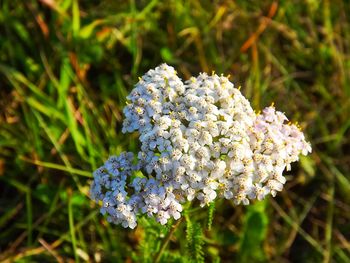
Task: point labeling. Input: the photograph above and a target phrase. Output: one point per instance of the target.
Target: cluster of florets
(199, 140)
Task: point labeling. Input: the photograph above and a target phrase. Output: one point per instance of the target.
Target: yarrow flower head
(200, 139)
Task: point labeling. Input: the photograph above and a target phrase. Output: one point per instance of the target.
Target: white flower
(162, 217)
(198, 139)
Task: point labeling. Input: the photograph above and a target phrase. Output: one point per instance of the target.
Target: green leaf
(166, 54)
(254, 233)
(76, 18)
(87, 31)
(211, 210)
(195, 241)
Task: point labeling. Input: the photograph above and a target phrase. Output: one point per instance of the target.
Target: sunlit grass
(65, 69)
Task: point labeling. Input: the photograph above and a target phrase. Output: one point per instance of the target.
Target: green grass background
(66, 67)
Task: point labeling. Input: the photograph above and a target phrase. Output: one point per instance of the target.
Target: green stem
(167, 239)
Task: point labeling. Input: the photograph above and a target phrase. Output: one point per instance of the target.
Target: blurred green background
(66, 67)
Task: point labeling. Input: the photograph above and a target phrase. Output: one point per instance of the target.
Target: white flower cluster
(199, 140)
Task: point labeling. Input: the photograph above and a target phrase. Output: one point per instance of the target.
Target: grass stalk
(72, 226)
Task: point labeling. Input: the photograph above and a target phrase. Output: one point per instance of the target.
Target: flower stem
(167, 239)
